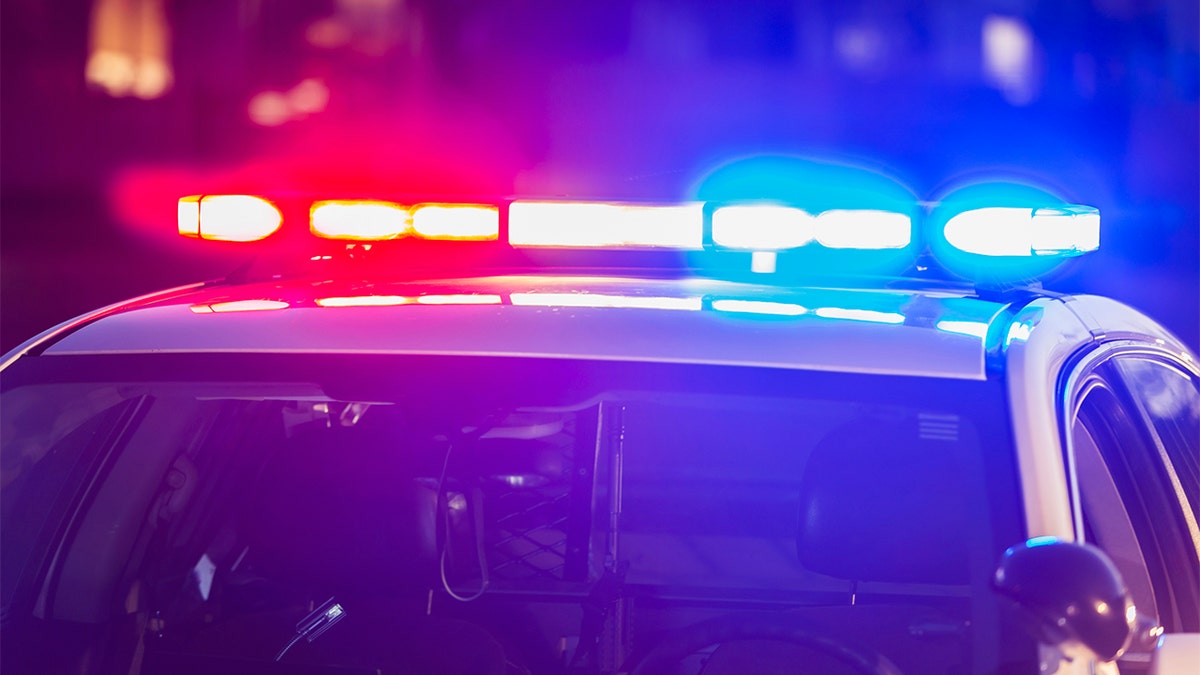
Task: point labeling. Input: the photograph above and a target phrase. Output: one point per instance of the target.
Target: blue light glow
(763, 262)
(844, 228)
(1018, 332)
(759, 307)
(604, 225)
(762, 227)
(1022, 232)
(814, 185)
(972, 328)
(831, 219)
(1041, 541)
(1008, 232)
(1066, 230)
(867, 315)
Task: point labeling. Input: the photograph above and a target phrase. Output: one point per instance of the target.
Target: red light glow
(189, 216)
(364, 301)
(239, 306)
(457, 221)
(359, 220)
(228, 217)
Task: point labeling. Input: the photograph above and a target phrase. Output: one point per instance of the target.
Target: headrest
(880, 503)
(338, 516)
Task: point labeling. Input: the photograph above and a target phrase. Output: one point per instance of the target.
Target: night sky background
(1097, 100)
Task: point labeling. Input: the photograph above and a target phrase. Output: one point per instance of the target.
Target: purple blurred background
(112, 109)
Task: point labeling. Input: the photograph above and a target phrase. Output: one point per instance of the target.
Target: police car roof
(933, 332)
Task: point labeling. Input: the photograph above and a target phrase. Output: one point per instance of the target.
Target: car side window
(51, 436)
(1107, 520)
(1130, 499)
(1169, 401)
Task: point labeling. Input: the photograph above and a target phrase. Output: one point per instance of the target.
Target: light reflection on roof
(885, 331)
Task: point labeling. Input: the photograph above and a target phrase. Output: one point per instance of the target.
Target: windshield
(443, 515)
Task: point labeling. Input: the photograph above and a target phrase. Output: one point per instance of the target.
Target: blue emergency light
(1008, 232)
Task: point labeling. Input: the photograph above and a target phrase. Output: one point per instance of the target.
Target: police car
(566, 436)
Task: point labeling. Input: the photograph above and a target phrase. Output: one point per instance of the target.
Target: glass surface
(560, 516)
(1170, 402)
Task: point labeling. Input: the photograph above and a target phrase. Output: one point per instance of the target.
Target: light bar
(762, 227)
(605, 225)
(1023, 232)
(864, 229)
(456, 221)
(359, 220)
(228, 217)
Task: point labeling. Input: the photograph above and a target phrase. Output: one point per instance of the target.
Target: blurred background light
(309, 96)
(658, 101)
(274, 108)
(269, 108)
(129, 48)
(862, 48)
(1009, 58)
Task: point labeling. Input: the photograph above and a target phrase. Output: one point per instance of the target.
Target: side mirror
(1074, 595)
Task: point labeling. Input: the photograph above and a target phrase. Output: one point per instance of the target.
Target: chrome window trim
(1078, 381)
